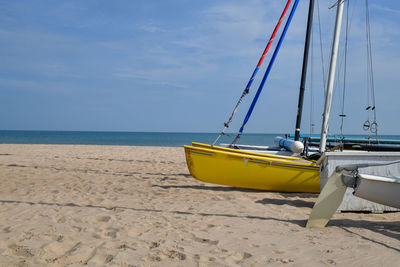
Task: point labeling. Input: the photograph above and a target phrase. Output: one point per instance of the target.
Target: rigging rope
(368, 126)
(320, 43)
(343, 65)
(249, 112)
(371, 127)
(247, 89)
(342, 115)
(311, 85)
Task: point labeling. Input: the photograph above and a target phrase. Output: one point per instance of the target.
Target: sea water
(132, 138)
(125, 138)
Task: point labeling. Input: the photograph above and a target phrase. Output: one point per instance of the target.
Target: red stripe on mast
(271, 39)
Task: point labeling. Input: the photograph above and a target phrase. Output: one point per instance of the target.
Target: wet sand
(66, 205)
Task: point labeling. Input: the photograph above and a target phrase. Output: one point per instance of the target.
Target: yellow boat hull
(243, 169)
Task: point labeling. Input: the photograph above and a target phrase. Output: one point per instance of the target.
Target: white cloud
(151, 27)
(384, 9)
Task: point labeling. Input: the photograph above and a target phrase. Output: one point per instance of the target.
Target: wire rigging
(321, 50)
(342, 115)
(311, 84)
(368, 126)
(342, 68)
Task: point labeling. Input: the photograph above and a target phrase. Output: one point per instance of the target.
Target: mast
(304, 70)
(331, 77)
(271, 63)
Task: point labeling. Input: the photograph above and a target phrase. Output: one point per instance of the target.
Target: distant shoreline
(164, 139)
(121, 138)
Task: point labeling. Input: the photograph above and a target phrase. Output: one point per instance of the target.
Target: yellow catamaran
(225, 166)
(248, 169)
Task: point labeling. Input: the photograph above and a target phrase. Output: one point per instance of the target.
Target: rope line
(372, 127)
(342, 115)
(320, 46)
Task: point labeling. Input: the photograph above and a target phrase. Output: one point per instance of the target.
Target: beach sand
(138, 206)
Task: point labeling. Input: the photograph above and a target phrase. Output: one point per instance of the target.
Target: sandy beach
(64, 205)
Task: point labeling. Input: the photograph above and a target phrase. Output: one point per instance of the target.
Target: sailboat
(269, 171)
(250, 169)
(371, 176)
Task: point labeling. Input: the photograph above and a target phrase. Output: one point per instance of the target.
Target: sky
(181, 66)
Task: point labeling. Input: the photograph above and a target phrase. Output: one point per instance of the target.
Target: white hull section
(272, 150)
(330, 160)
(383, 190)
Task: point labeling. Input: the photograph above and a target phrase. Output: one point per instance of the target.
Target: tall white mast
(331, 78)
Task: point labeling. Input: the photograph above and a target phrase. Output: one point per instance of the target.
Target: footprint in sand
(205, 240)
(62, 220)
(16, 250)
(154, 258)
(103, 219)
(135, 232)
(58, 238)
(25, 236)
(154, 244)
(108, 259)
(238, 257)
(173, 254)
(280, 260)
(111, 232)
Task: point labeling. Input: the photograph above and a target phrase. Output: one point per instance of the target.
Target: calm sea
(124, 138)
(130, 138)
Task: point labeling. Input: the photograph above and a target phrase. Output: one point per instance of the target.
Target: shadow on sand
(211, 188)
(388, 229)
(291, 202)
(74, 205)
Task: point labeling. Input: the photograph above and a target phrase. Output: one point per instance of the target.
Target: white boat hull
(382, 190)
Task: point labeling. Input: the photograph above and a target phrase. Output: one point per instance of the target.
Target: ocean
(125, 138)
(133, 138)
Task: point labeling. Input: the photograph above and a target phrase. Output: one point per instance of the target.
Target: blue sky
(181, 65)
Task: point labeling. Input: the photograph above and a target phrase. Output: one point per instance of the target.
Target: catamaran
(250, 169)
(280, 170)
